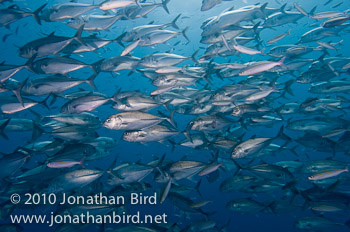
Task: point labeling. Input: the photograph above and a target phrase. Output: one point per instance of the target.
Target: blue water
(27, 29)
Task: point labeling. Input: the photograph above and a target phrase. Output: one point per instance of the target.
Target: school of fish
(244, 108)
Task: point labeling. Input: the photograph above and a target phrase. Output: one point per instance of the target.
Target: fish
(13, 13)
(74, 179)
(63, 11)
(65, 163)
(11, 105)
(235, 102)
(135, 120)
(317, 223)
(58, 65)
(245, 205)
(335, 21)
(253, 147)
(328, 14)
(115, 4)
(261, 67)
(93, 22)
(327, 174)
(283, 18)
(50, 45)
(53, 84)
(156, 133)
(278, 37)
(84, 103)
(164, 60)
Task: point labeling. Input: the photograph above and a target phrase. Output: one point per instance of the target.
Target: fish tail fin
(207, 215)
(37, 12)
(218, 74)
(293, 150)
(95, 67)
(256, 26)
(138, 3)
(282, 60)
(110, 168)
(262, 9)
(170, 119)
(307, 200)
(173, 145)
(77, 35)
(90, 81)
(239, 167)
(158, 167)
(197, 187)
(37, 132)
(44, 102)
(283, 136)
(164, 5)
(187, 131)
(269, 207)
(18, 89)
(29, 62)
(118, 40)
(81, 162)
(184, 34)
(54, 98)
(193, 57)
(115, 95)
(173, 23)
(312, 12)
(2, 128)
(281, 63)
(288, 87)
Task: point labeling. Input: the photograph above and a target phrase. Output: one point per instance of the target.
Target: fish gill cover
(174, 115)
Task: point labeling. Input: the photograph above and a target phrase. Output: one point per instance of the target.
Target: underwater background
(290, 196)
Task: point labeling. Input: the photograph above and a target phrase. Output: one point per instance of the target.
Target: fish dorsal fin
(312, 12)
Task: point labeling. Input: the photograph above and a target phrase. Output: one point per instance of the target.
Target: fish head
(47, 13)
(148, 61)
(76, 22)
(304, 224)
(238, 152)
(114, 122)
(160, 178)
(236, 206)
(88, 150)
(296, 125)
(27, 51)
(41, 66)
(133, 136)
(304, 79)
(286, 110)
(119, 105)
(161, 80)
(236, 111)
